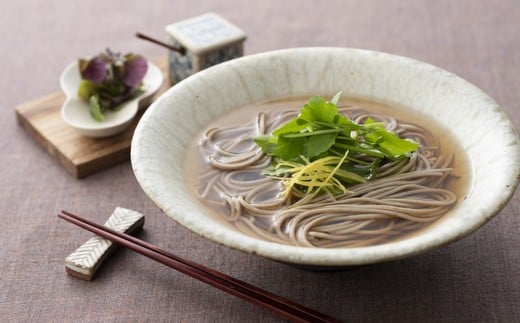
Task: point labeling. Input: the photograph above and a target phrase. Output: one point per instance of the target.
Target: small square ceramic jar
(208, 40)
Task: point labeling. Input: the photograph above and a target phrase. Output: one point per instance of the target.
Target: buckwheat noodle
(405, 196)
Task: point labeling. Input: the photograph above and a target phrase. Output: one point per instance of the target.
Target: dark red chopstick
(180, 50)
(269, 301)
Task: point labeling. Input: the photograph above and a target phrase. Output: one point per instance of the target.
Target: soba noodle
(405, 195)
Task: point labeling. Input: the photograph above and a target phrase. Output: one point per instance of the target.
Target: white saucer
(75, 112)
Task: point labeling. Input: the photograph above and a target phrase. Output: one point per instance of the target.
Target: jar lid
(205, 33)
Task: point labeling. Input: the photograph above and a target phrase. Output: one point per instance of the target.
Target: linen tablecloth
(474, 280)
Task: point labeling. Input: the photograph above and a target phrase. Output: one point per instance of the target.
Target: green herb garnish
(325, 150)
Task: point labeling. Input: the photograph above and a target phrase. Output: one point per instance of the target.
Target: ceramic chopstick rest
(88, 258)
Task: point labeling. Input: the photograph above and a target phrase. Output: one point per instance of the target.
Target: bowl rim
(319, 256)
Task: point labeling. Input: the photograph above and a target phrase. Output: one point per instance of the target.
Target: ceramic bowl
(482, 129)
(75, 112)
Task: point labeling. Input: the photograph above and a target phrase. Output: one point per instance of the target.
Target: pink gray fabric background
(473, 280)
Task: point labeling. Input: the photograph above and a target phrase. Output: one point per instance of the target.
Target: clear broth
(195, 164)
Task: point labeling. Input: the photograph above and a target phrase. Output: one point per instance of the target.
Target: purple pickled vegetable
(134, 70)
(94, 70)
(110, 79)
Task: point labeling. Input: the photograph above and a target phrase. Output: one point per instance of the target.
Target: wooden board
(80, 155)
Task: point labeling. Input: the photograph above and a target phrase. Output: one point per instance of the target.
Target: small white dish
(75, 112)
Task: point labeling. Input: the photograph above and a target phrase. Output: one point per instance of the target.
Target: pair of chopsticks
(269, 301)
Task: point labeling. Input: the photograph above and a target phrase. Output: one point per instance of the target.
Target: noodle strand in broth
(406, 194)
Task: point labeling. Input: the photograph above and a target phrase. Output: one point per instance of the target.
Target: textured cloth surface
(473, 280)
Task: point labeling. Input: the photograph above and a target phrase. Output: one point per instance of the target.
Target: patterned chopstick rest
(87, 259)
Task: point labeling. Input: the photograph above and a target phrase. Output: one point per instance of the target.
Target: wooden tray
(80, 155)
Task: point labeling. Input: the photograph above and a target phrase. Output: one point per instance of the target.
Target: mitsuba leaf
(345, 123)
(269, 144)
(373, 137)
(319, 144)
(290, 149)
(319, 110)
(395, 146)
(293, 126)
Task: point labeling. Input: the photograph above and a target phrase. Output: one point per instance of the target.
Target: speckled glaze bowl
(479, 124)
